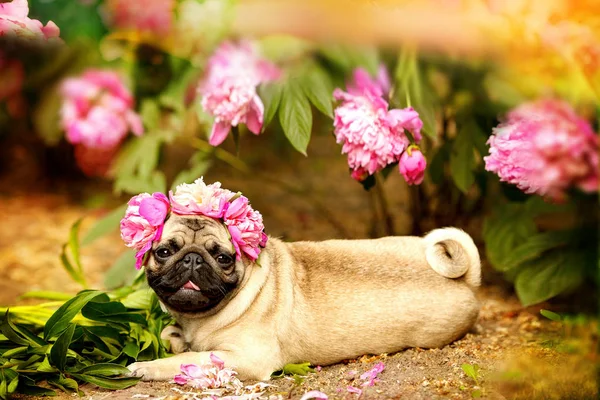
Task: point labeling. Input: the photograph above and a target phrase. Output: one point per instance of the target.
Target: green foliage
(90, 338)
(294, 370)
(472, 371)
(72, 264)
(542, 264)
(295, 115)
(551, 315)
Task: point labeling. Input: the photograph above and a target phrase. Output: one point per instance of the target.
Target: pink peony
(154, 16)
(15, 24)
(143, 222)
(228, 89)
(97, 113)
(213, 375)
(98, 110)
(373, 137)
(412, 166)
(200, 198)
(244, 224)
(544, 147)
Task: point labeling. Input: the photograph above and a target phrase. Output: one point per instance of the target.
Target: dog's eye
(162, 252)
(224, 259)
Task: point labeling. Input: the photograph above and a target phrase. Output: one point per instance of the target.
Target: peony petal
(154, 210)
(217, 361)
(254, 118)
(314, 394)
(219, 133)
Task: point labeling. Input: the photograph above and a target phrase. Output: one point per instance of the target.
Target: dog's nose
(192, 260)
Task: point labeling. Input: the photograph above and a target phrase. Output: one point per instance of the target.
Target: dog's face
(193, 267)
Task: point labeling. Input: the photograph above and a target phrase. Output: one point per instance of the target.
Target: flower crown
(146, 214)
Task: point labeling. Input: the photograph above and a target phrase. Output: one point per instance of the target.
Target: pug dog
(317, 302)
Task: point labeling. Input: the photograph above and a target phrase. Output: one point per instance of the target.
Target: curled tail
(451, 253)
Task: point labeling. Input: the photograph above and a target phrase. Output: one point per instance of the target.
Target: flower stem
(388, 220)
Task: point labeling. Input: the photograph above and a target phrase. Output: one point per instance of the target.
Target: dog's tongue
(191, 285)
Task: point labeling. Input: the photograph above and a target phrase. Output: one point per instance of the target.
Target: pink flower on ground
(355, 390)
(314, 394)
(412, 166)
(228, 89)
(15, 24)
(373, 136)
(143, 222)
(154, 16)
(213, 375)
(544, 147)
(371, 377)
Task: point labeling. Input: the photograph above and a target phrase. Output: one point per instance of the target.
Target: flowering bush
(373, 136)
(544, 147)
(97, 114)
(229, 88)
(16, 25)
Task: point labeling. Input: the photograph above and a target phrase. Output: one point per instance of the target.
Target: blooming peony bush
(544, 147)
(373, 136)
(229, 88)
(16, 25)
(97, 113)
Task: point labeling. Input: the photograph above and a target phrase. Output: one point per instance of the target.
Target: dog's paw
(148, 371)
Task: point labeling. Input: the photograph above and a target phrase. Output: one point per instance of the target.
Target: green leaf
(140, 299)
(150, 113)
(65, 384)
(46, 367)
(472, 371)
(15, 352)
(509, 226)
(58, 353)
(554, 273)
(72, 246)
(132, 349)
(46, 295)
(122, 272)
(534, 246)
(270, 94)
(104, 225)
(113, 311)
(551, 315)
(106, 382)
(104, 369)
(462, 160)
(9, 330)
(59, 321)
(295, 116)
(302, 369)
(318, 88)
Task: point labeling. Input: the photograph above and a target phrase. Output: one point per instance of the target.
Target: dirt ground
(521, 355)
